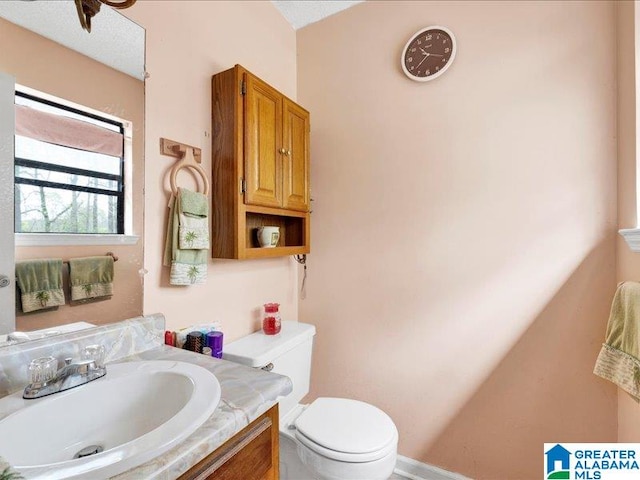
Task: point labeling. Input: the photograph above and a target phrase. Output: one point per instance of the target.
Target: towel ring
(187, 161)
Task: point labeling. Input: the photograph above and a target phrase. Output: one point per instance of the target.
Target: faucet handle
(43, 369)
(95, 353)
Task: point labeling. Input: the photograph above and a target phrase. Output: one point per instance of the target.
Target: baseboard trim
(414, 470)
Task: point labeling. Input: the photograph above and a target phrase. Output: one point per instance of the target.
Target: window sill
(632, 237)
(63, 239)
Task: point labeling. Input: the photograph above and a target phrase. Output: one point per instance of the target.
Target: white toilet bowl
(340, 439)
(331, 438)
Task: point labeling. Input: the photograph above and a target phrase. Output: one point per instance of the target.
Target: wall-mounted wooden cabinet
(260, 167)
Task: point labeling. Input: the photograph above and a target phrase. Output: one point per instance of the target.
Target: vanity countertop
(246, 394)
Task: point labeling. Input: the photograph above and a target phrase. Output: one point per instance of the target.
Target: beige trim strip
(43, 299)
(619, 368)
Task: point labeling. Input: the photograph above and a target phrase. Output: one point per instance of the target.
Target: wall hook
(178, 150)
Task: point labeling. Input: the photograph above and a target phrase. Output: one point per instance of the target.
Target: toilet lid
(347, 426)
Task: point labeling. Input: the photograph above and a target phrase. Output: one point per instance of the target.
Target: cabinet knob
(288, 153)
(282, 151)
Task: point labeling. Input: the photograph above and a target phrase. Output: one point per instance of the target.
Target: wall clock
(428, 53)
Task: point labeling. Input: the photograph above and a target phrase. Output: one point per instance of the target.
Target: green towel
(193, 203)
(91, 277)
(40, 283)
(6, 472)
(619, 358)
(188, 266)
(193, 232)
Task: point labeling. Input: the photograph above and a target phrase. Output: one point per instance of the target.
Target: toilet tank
(289, 352)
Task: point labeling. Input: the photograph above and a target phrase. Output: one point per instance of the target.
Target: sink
(136, 412)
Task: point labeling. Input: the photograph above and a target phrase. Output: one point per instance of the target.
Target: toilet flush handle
(268, 367)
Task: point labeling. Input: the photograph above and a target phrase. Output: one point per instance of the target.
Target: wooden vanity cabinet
(260, 167)
(252, 454)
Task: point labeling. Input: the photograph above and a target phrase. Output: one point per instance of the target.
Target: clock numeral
(413, 50)
(437, 68)
(428, 37)
(428, 72)
(412, 68)
(419, 42)
(444, 60)
(444, 41)
(410, 59)
(447, 50)
(438, 37)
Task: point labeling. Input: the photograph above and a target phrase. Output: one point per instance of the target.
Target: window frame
(126, 204)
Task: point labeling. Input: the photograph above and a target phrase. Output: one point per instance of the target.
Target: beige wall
(628, 263)
(463, 257)
(39, 63)
(187, 42)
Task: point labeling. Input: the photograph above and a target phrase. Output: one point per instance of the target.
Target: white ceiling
(301, 13)
(111, 38)
(114, 39)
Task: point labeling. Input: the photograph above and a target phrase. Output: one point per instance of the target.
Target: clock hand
(425, 57)
(427, 54)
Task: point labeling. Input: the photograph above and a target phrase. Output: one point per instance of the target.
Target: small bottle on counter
(271, 323)
(214, 341)
(194, 342)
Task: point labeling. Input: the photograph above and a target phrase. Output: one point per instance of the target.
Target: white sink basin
(138, 411)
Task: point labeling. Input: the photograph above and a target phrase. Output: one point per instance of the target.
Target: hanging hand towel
(188, 266)
(194, 224)
(619, 358)
(40, 283)
(6, 472)
(91, 277)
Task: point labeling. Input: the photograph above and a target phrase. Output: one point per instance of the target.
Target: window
(70, 166)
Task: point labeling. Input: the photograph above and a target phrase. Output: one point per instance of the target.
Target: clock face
(428, 53)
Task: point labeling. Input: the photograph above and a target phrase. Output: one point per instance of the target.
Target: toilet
(330, 438)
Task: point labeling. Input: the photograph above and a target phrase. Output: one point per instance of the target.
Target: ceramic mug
(268, 236)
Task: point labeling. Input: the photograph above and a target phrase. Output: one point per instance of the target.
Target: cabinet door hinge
(243, 88)
(243, 185)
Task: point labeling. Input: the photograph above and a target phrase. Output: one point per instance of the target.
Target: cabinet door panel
(252, 454)
(263, 133)
(296, 160)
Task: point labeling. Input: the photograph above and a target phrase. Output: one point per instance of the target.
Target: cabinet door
(295, 167)
(262, 137)
(252, 454)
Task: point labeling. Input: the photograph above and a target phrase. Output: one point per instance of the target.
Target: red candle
(271, 319)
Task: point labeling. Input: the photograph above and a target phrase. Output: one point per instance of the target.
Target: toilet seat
(346, 430)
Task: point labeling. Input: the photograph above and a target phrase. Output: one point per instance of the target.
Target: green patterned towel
(193, 233)
(40, 283)
(619, 358)
(6, 472)
(91, 277)
(188, 265)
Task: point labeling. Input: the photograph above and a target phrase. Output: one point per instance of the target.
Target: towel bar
(108, 254)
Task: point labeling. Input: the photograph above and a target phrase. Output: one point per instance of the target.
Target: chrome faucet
(47, 379)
